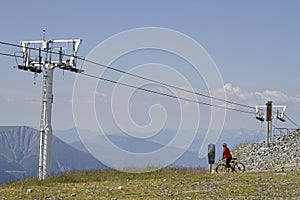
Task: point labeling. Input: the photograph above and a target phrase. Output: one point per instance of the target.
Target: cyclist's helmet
(224, 145)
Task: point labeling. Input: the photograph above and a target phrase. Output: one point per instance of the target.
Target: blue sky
(255, 45)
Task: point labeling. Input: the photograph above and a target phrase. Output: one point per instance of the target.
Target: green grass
(170, 183)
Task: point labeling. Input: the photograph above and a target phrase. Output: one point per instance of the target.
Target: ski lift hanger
(279, 113)
(33, 60)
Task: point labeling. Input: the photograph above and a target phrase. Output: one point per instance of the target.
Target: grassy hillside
(169, 183)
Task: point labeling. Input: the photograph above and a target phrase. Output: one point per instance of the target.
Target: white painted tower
(43, 56)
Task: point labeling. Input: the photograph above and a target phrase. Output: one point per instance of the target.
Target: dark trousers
(227, 161)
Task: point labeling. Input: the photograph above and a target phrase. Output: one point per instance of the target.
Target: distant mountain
(190, 157)
(19, 148)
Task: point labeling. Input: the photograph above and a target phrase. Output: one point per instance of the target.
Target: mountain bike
(235, 166)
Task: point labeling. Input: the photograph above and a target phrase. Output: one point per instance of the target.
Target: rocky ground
(281, 155)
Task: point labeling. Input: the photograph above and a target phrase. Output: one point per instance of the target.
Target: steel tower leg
(45, 125)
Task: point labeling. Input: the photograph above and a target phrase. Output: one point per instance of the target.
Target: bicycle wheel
(221, 168)
(239, 167)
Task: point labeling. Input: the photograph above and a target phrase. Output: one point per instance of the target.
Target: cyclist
(227, 156)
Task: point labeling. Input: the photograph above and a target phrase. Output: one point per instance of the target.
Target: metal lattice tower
(44, 56)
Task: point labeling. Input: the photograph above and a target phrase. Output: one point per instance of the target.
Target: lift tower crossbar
(44, 56)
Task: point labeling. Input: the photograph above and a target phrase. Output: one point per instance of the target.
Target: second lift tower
(43, 56)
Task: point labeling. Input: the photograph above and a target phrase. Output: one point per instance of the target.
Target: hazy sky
(255, 45)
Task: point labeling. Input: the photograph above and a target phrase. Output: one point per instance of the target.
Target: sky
(254, 44)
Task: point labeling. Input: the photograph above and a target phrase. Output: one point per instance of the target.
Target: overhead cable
(165, 94)
(137, 76)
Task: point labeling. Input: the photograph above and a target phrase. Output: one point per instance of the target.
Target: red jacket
(226, 153)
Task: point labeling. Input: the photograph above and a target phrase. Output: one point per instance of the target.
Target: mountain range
(19, 154)
(19, 149)
(190, 157)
